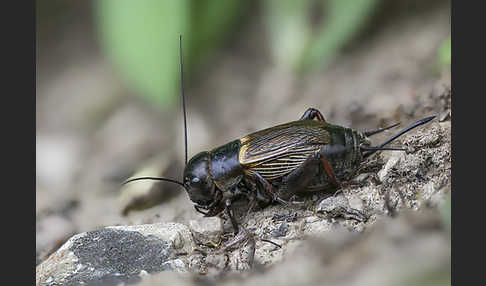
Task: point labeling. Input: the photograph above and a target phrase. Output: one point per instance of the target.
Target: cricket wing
(277, 151)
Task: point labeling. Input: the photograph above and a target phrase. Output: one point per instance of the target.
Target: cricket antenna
(155, 179)
(403, 131)
(185, 130)
(373, 132)
(183, 100)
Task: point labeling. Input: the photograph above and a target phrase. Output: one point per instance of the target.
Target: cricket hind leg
(330, 151)
(299, 179)
(312, 113)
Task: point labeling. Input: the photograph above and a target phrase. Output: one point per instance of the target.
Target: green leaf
(299, 46)
(211, 21)
(444, 53)
(345, 19)
(142, 39)
(289, 30)
(445, 211)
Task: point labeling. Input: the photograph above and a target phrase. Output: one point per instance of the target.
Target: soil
(99, 134)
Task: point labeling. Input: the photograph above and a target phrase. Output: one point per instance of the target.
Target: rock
(361, 178)
(444, 115)
(291, 217)
(315, 225)
(386, 255)
(243, 258)
(117, 255)
(207, 230)
(355, 202)
(392, 161)
(52, 231)
(165, 278)
(338, 206)
(217, 261)
(281, 230)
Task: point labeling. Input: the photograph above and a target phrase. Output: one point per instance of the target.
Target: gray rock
(206, 230)
(339, 206)
(392, 162)
(52, 230)
(117, 255)
(281, 230)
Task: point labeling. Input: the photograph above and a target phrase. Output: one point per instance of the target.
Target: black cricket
(276, 164)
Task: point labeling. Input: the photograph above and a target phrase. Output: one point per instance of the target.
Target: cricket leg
(241, 236)
(329, 151)
(312, 113)
(268, 189)
(329, 171)
(299, 179)
(229, 211)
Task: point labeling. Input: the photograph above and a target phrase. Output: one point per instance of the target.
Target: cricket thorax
(225, 167)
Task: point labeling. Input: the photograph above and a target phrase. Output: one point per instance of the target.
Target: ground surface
(99, 134)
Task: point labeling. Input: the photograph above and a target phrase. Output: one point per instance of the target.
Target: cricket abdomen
(344, 156)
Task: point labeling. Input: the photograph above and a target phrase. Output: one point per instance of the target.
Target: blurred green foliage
(142, 39)
(444, 53)
(445, 212)
(299, 44)
(435, 277)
